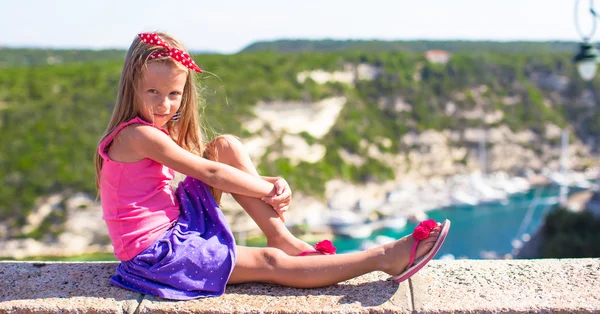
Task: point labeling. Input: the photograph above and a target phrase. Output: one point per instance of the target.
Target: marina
(493, 219)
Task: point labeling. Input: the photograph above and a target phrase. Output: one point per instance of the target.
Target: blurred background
(379, 114)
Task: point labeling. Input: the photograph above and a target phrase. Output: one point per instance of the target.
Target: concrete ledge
(567, 286)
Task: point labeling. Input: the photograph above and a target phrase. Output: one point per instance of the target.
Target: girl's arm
(280, 197)
(270, 179)
(149, 142)
(281, 193)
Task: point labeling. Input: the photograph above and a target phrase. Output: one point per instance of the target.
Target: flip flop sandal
(421, 232)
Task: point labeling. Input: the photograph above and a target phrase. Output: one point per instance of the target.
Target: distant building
(437, 56)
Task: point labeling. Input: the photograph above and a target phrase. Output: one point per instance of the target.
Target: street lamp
(586, 61)
(588, 56)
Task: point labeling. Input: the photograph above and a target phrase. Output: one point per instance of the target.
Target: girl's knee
(223, 145)
(273, 257)
(226, 142)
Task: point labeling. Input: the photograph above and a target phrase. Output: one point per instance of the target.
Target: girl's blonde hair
(186, 131)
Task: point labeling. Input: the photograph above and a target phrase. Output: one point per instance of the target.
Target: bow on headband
(179, 55)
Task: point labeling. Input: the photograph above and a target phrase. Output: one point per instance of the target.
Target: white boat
(521, 183)
(399, 195)
(395, 222)
(514, 185)
(343, 217)
(355, 231)
(570, 179)
(377, 241)
(484, 192)
(417, 216)
(461, 197)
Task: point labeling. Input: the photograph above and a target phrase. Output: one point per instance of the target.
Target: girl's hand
(280, 197)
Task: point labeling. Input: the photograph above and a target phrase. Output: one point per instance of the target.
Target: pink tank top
(138, 204)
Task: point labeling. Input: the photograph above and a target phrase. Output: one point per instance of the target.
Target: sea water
(484, 230)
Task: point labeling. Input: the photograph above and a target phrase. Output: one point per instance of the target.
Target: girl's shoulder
(115, 145)
(134, 131)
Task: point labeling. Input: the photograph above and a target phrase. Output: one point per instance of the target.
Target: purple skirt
(193, 259)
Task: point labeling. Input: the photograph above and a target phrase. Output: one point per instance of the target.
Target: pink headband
(178, 55)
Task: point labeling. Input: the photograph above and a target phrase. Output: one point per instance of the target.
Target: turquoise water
(489, 227)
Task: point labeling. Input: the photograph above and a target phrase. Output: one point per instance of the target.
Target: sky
(229, 26)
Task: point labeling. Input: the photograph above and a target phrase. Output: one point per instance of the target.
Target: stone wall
(462, 286)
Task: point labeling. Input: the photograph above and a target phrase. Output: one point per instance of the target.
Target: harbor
(492, 216)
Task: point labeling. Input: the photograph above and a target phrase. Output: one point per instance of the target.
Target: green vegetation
(571, 235)
(16, 57)
(412, 46)
(257, 241)
(51, 116)
(92, 257)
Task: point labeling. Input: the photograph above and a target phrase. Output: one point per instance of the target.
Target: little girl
(176, 244)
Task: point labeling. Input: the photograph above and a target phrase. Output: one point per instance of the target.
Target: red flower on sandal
(325, 247)
(422, 231)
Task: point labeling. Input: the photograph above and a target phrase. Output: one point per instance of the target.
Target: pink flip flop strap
(308, 252)
(421, 232)
(324, 247)
(413, 252)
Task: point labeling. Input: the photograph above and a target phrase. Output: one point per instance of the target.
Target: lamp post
(588, 56)
(586, 61)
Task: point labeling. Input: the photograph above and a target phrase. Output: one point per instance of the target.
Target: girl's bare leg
(273, 266)
(229, 150)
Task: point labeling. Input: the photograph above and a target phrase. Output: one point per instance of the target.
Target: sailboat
(475, 189)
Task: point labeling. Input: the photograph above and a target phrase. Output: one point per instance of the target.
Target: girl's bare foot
(397, 254)
(290, 245)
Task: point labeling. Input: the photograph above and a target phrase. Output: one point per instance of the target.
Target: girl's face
(161, 88)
